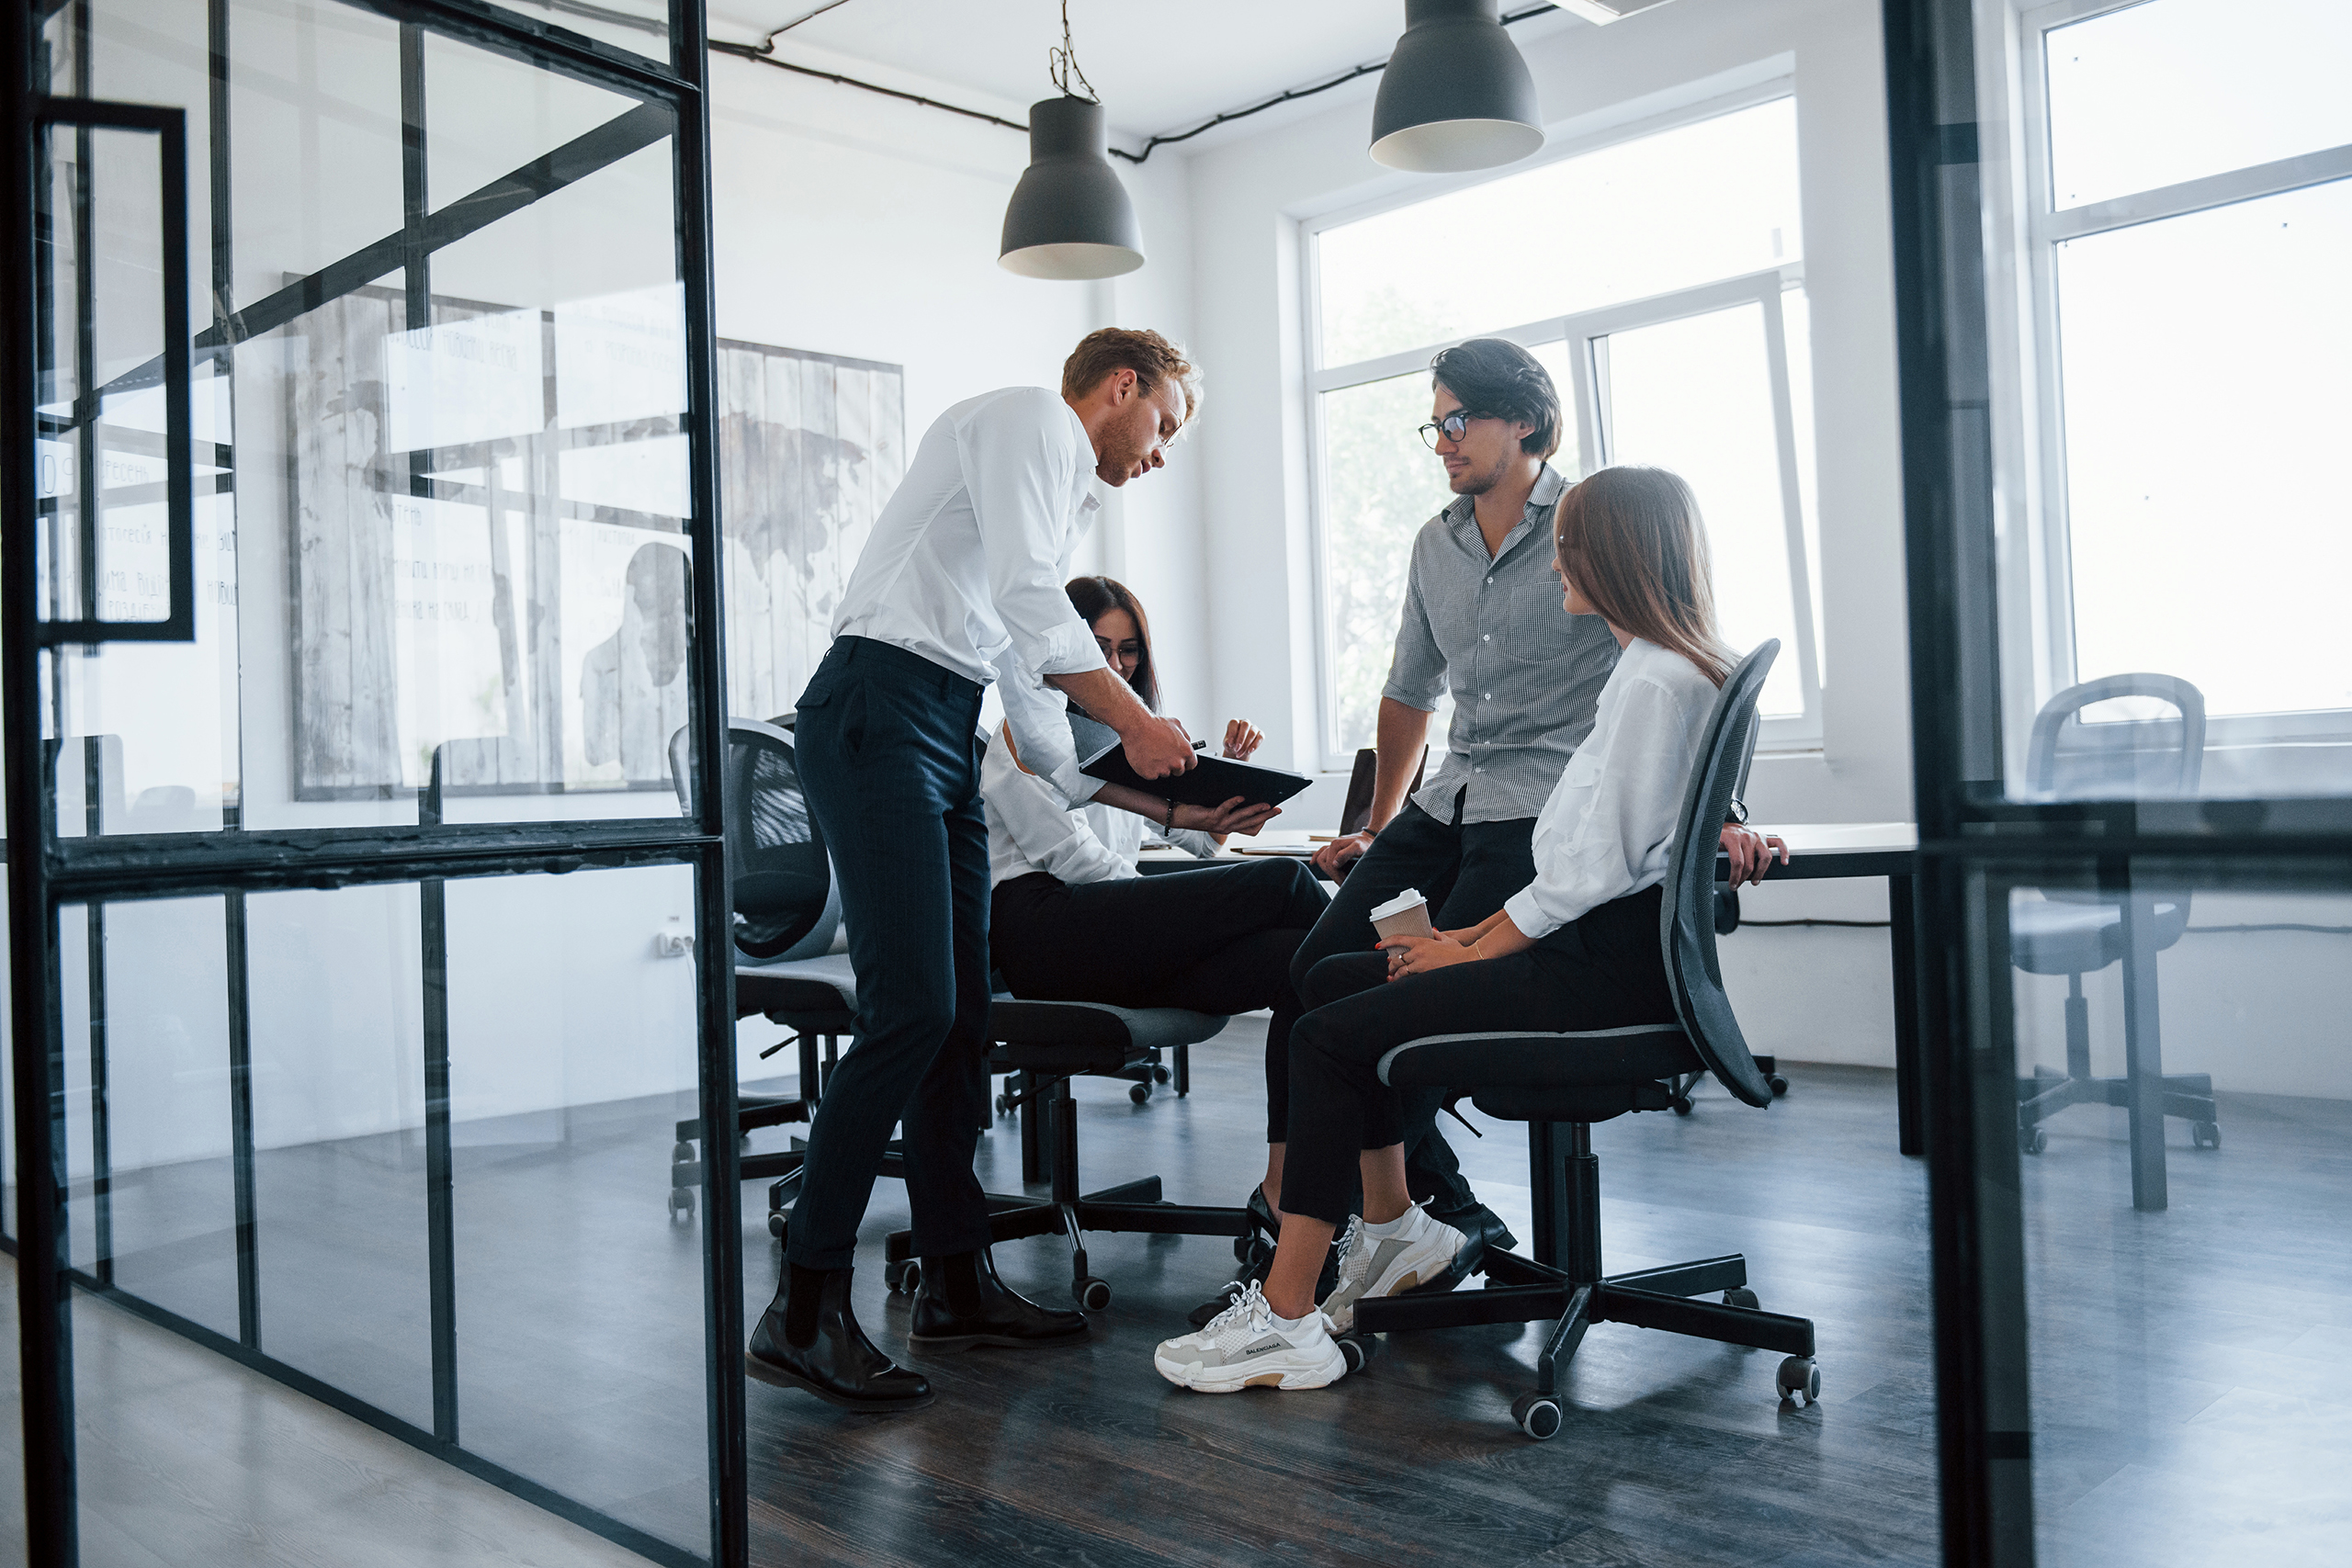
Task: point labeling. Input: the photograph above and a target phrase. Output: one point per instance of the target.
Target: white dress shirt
(966, 565)
(1030, 829)
(1607, 827)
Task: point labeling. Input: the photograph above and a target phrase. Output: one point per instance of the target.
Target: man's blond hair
(1153, 358)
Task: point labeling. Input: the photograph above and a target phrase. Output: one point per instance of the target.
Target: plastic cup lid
(1399, 905)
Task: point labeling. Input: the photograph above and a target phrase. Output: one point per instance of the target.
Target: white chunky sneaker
(1412, 1251)
(1246, 1346)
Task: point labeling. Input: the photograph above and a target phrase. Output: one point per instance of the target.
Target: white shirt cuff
(1529, 915)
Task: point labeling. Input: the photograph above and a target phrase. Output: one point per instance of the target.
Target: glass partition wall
(359, 495)
(2121, 236)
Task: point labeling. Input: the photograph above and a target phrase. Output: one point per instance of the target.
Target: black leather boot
(962, 1303)
(837, 1363)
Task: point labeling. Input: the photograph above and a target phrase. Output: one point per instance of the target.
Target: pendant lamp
(1456, 95)
(1070, 216)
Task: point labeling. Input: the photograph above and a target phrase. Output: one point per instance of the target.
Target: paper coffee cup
(1408, 914)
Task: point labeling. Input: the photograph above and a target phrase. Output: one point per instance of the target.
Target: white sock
(1402, 1222)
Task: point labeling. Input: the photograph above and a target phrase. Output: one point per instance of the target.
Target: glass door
(360, 493)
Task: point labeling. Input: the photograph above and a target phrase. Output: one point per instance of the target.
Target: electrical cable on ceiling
(763, 53)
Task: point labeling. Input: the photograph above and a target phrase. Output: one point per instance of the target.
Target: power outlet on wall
(674, 941)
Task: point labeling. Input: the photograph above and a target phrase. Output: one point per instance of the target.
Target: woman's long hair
(1632, 541)
(1095, 597)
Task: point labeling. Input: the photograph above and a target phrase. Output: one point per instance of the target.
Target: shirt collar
(1460, 513)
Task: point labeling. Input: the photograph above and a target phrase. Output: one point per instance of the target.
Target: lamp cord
(1061, 64)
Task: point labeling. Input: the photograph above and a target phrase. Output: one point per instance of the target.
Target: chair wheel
(681, 1153)
(904, 1275)
(2032, 1140)
(1740, 1296)
(2206, 1135)
(1092, 1294)
(1538, 1415)
(1356, 1349)
(775, 1224)
(1681, 1105)
(681, 1202)
(1253, 1251)
(1777, 1084)
(1160, 1075)
(1140, 1093)
(1799, 1380)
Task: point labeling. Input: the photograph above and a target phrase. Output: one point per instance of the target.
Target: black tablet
(1212, 782)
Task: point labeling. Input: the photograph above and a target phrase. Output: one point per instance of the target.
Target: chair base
(2188, 1096)
(1681, 1085)
(756, 1110)
(1564, 1284)
(1131, 1206)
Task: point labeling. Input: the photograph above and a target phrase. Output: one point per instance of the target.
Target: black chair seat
(1087, 1037)
(824, 988)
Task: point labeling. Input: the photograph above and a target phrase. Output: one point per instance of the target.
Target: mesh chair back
(780, 878)
(1688, 915)
(2137, 759)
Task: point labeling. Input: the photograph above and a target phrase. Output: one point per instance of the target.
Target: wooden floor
(1673, 1451)
(2191, 1392)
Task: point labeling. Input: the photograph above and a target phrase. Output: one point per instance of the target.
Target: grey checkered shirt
(1525, 675)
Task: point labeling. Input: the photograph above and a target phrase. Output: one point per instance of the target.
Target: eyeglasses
(1452, 427)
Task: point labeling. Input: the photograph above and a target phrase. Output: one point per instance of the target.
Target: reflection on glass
(641, 27)
(579, 1297)
(2210, 526)
(146, 1033)
(1641, 217)
(2186, 1376)
(2154, 94)
(337, 990)
(1380, 484)
(1696, 396)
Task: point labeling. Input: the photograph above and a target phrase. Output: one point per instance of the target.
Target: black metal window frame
(1976, 844)
(93, 870)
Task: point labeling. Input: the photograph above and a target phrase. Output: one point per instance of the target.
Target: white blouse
(1031, 830)
(1610, 822)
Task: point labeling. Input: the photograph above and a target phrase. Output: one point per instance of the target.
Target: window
(1659, 279)
(2189, 181)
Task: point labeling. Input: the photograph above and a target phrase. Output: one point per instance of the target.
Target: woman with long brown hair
(1576, 949)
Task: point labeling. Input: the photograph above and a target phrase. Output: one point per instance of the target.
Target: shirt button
(1487, 698)
(1478, 770)
(1491, 582)
(1486, 637)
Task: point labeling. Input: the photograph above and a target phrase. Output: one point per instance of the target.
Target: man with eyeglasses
(1482, 616)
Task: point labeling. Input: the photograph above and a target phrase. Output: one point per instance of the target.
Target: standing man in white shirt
(962, 578)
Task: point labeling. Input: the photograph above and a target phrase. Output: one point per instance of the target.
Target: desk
(1817, 852)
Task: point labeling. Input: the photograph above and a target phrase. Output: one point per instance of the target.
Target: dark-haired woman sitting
(1070, 920)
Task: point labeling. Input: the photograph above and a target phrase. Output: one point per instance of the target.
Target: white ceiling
(1157, 67)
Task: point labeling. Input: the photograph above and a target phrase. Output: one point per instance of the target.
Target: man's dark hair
(1495, 376)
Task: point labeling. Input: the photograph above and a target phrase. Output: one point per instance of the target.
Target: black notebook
(1212, 782)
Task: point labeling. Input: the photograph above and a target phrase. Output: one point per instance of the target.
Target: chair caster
(1799, 1381)
(682, 1204)
(2205, 1134)
(1538, 1415)
(1777, 1084)
(775, 1224)
(2032, 1140)
(1158, 1075)
(681, 1153)
(1741, 1296)
(1356, 1349)
(903, 1275)
(1252, 1251)
(1140, 1093)
(1092, 1294)
(1681, 1105)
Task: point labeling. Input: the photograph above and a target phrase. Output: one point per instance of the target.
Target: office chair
(786, 911)
(2076, 933)
(1727, 922)
(1561, 1083)
(1044, 1045)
